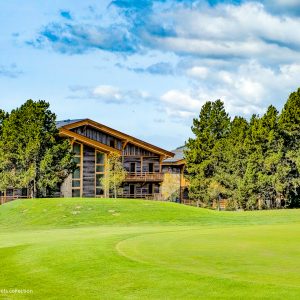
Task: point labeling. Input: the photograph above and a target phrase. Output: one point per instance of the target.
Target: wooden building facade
(174, 171)
(152, 172)
(92, 142)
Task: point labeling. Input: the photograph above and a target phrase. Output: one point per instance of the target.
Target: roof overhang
(89, 142)
(174, 163)
(120, 135)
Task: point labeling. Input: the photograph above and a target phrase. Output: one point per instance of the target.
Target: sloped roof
(67, 125)
(67, 122)
(179, 155)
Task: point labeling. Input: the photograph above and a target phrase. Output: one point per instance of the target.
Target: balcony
(144, 177)
(154, 196)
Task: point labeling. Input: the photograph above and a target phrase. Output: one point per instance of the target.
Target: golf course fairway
(135, 249)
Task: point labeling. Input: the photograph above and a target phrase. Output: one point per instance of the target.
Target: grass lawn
(134, 249)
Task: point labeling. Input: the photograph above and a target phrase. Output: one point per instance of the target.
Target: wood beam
(120, 135)
(124, 144)
(89, 142)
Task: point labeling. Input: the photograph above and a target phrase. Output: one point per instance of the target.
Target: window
(100, 158)
(112, 143)
(100, 173)
(76, 175)
(77, 149)
(24, 192)
(99, 168)
(131, 190)
(75, 193)
(76, 159)
(150, 188)
(151, 167)
(132, 167)
(10, 193)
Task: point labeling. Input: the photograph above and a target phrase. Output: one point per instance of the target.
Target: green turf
(134, 249)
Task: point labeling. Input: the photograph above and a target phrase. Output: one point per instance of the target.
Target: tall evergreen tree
(3, 116)
(255, 165)
(211, 126)
(289, 123)
(31, 152)
(261, 184)
(232, 169)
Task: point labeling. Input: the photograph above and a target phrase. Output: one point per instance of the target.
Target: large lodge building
(152, 172)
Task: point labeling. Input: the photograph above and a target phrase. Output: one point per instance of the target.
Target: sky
(145, 67)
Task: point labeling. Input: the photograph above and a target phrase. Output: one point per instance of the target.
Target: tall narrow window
(150, 188)
(132, 190)
(100, 173)
(151, 167)
(112, 143)
(132, 167)
(76, 176)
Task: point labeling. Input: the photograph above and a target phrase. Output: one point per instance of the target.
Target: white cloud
(198, 72)
(245, 31)
(245, 55)
(109, 94)
(249, 89)
(180, 104)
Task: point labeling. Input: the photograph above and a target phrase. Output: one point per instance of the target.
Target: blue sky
(146, 67)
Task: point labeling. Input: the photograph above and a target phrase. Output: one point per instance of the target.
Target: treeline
(253, 164)
(32, 155)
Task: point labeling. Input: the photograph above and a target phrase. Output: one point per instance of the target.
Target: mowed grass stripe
(133, 249)
(253, 253)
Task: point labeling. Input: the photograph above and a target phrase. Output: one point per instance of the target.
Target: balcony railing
(144, 176)
(154, 196)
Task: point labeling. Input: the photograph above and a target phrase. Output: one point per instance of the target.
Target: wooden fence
(5, 199)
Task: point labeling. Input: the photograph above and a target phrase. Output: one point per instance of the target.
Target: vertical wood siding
(88, 171)
(98, 136)
(131, 154)
(133, 150)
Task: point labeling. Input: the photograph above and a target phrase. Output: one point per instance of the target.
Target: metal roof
(179, 155)
(67, 122)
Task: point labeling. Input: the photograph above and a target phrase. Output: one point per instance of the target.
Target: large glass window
(100, 172)
(100, 158)
(77, 149)
(76, 176)
(76, 173)
(75, 193)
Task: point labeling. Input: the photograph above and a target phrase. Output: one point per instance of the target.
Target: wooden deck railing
(156, 196)
(144, 176)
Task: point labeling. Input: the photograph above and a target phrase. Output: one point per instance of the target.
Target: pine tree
(31, 152)
(289, 123)
(212, 126)
(256, 165)
(262, 183)
(3, 116)
(232, 169)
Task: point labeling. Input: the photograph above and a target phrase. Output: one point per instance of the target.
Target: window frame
(79, 165)
(97, 184)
